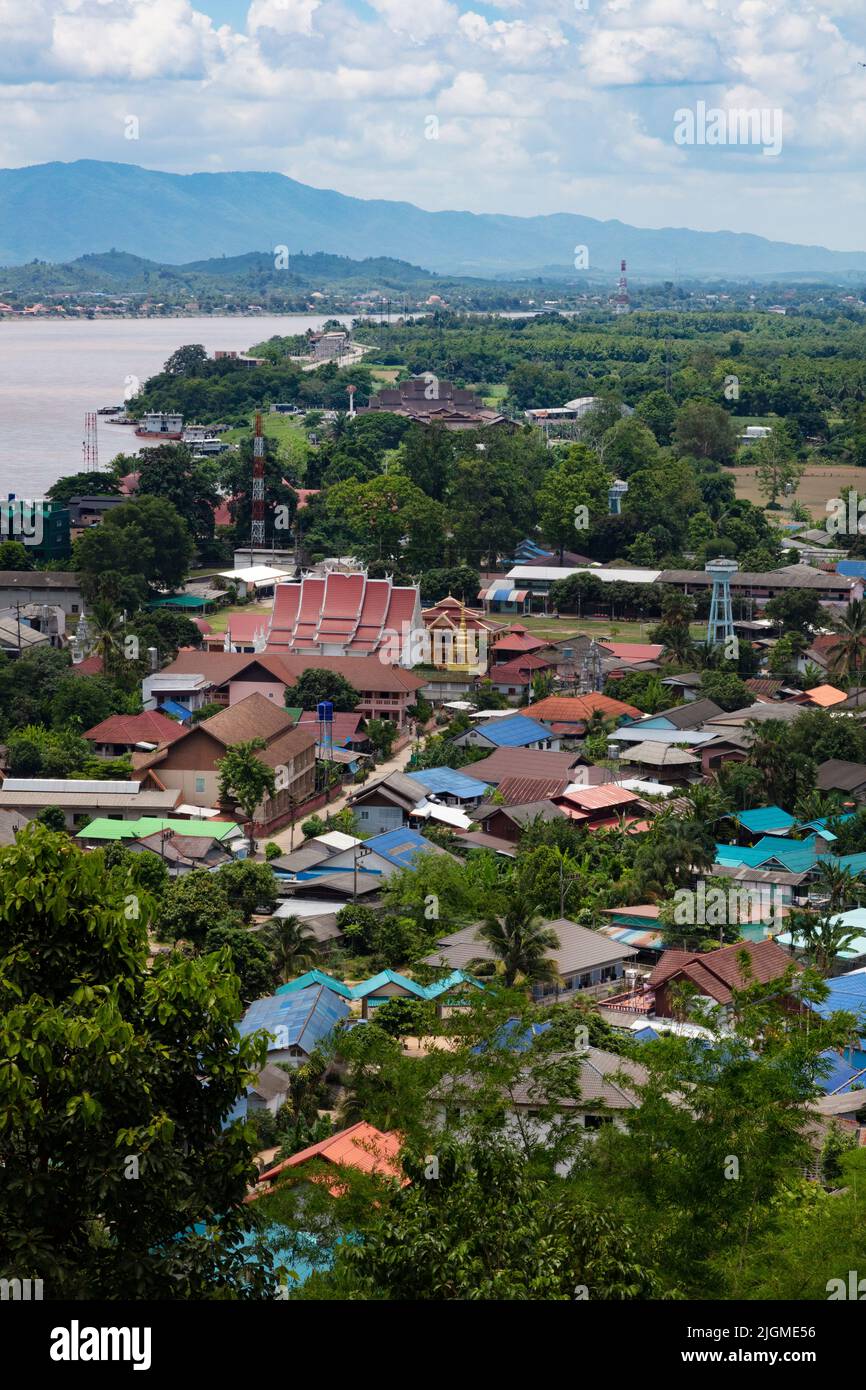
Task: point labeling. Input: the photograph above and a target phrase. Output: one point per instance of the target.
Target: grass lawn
(220, 621)
(292, 444)
(622, 630)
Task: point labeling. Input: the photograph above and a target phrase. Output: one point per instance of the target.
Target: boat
(110, 410)
(158, 425)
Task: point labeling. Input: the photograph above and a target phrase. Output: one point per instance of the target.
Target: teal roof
(795, 856)
(764, 819)
(387, 977)
(179, 601)
(316, 977)
(457, 977)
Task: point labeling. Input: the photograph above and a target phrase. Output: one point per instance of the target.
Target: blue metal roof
(316, 977)
(846, 993)
(399, 847)
(450, 782)
(854, 569)
(302, 1018)
(179, 711)
(765, 818)
(840, 1076)
(514, 732)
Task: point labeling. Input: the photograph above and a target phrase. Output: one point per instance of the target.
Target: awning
(499, 593)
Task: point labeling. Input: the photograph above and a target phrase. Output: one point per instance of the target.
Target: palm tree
(848, 655)
(520, 942)
(676, 640)
(292, 947)
(770, 755)
(820, 938)
(839, 885)
(106, 627)
(816, 805)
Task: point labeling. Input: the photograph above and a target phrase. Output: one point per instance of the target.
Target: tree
(114, 1142)
(192, 906)
(797, 610)
(391, 519)
(170, 471)
(248, 957)
(187, 361)
(489, 1228)
(572, 495)
(249, 887)
(244, 778)
(292, 947)
(81, 485)
(658, 412)
(520, 942)
(144, 542)
(54, 818)
(316, 685)
(726, 689)
(848, 655)
(381, 733)
(777, 466)
(704, 430)
(81, 702)
(821, 938)
(15, 556)
(402, 1018)
(630, 446)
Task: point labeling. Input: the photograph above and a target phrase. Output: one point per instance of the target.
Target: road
(397, 763)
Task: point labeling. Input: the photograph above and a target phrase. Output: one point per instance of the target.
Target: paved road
(397, 763)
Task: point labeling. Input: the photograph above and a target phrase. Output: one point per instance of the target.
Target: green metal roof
(104, 829)
(178, 601)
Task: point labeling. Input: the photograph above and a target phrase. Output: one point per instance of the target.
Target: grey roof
(655, 754)
(38, 579)
(777, 710)
(603, 1084)
(745, 873)
(845, 1104)
(404, 788)
(15, 634)
(838, 775)
(271, 1081)
(532, 763)
(692, 714)
(143, 802)
(578, 949)
(788, 577)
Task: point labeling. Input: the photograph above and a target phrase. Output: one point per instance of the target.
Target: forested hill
(64, 211)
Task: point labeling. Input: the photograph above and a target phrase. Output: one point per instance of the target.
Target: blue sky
(523, 106)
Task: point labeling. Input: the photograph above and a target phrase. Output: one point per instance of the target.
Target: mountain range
(58, 212)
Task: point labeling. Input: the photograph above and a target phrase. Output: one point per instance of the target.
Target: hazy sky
(535, 105)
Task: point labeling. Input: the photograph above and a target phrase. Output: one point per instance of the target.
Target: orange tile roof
(573, 709)
(360, 1146)
(634, 651)
(594, 798)
(825, 695)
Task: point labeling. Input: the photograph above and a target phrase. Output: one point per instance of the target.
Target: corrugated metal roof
(448, 781)
(764, 819)
(516, 732)
(300, 1019)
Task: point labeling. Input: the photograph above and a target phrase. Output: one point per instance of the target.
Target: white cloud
(283, 16)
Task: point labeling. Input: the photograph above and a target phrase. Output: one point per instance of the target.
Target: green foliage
(113, 1100)
(244, 778)
(316, 685)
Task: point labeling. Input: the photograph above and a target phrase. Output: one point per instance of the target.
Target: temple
(339, 614)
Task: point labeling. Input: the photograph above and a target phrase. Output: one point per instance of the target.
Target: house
(688, 716)
(387, 803)
(509, 822)
(452, 788)
(527, 763)
(101, 830)
(583, 958)
(573, 712)
(175, 693)
(715, 975)
(652, 759)
(603, 807)
(847, 993)
(388, 984)
(316, 867)
(386, 691)
(514, 678)
(765, 820)
(838, 775)
(59, 588)
(514, 732)
(361, 1146)
(190, 763)
(296, 1023)
(821, 697)
(123, 733)
(852, 956)
(181, 853)
(18, 636)
(82, 800)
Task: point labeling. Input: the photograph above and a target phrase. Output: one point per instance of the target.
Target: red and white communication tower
(622, 303)
(351, 390)
(257, 533)
(90, 444)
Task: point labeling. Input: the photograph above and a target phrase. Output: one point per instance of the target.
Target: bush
(272, 850)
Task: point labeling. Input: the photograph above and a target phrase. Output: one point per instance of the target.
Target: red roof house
(718, 973)
(120, 733)
(360, 1146)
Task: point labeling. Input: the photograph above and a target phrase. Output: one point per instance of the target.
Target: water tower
(615, 493)
(720, 628)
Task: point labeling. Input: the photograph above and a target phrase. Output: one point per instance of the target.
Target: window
(75, 607)
(199, 784)
(596, 1121)
(363, 815)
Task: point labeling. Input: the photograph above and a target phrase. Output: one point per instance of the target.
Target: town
(433, 818)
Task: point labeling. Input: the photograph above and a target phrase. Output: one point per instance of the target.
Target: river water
(52, 372)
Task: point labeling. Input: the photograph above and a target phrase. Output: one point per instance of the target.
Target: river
(53, 372)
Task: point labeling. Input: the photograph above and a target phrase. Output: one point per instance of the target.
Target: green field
(286, 430)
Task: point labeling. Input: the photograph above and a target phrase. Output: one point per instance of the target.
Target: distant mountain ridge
(59, 212)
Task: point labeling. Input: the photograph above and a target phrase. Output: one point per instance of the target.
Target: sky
(524, 106)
